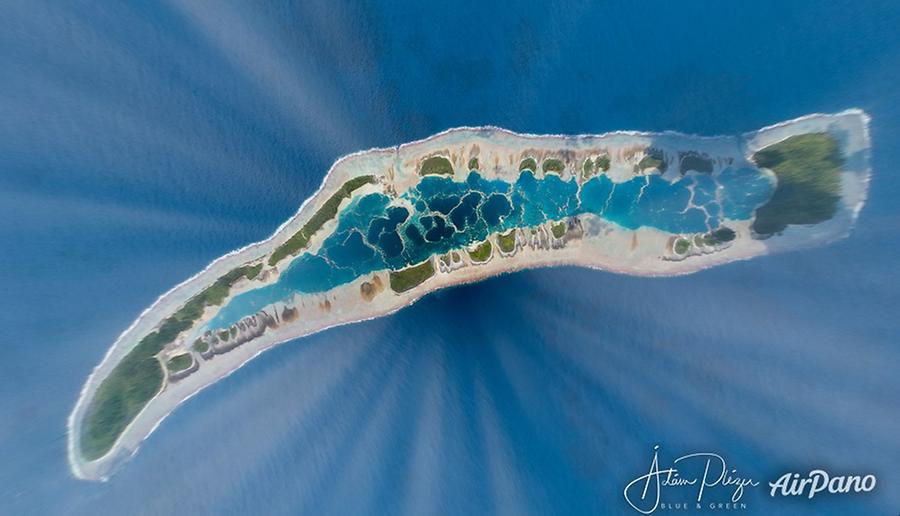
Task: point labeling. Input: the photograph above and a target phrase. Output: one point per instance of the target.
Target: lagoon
(141, 141)
(440, 215)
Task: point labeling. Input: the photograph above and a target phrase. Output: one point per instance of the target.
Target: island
(388, 226)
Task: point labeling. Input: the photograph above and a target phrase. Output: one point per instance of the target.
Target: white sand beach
(595, 244)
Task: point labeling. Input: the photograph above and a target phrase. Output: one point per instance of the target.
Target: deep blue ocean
(140, 141)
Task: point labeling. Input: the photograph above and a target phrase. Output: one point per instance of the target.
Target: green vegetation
(591, 167)
(528, 164)
(473, 164)
(253, 271)
(693, 160)
(559, 229)
(179, 362)
(445, 259)
(326, 212)
(482, 252)
(553, 165)
(808, 168)
(653, 159)
(405, 279)
(603, 162)
(719, 236)
(217, 292)
(507, 241)
(138, 377)
(682, 245)
(587, 168)
(200, 346)
(438, 165)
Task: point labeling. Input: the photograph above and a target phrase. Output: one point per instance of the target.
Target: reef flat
(388, 226)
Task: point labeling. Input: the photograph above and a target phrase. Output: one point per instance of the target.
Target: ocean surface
(140, 142)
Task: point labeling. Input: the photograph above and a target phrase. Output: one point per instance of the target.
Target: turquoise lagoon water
(139, 141)
(374, 233)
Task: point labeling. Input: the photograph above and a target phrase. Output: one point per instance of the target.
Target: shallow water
(139, 143)
(440, 215)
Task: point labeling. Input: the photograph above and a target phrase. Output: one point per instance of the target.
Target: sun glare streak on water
(140, 141)
(315, 111)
